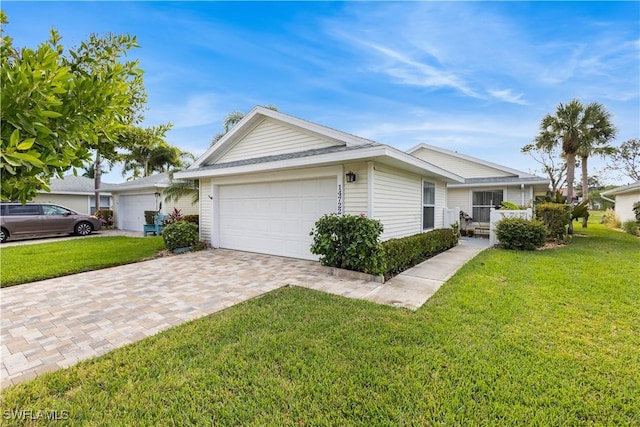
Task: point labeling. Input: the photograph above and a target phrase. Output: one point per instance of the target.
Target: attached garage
(131, 210)
(274, 217)
(266, 182)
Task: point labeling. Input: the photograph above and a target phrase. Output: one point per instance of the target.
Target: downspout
(522, 194)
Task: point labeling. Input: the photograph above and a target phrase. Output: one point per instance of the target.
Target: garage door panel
(275, 217)
(131, 210)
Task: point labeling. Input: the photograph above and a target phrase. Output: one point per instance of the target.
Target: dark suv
(31, 219)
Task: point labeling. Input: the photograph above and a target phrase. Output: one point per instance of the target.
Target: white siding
(514, 195)
(459, 198)
(183, 204)
(270, 138)
(397, 202)
(624, 205)
(462, 167)
(206, 209)
(356, 194)
(77, 203)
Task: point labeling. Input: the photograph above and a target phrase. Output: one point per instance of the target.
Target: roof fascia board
(74, 193)
(498, 183)
(622, 189)
(138, 187)
(376, 152)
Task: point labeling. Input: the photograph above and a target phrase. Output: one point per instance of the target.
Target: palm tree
(182, 187)
(599, 131)
(571, 127)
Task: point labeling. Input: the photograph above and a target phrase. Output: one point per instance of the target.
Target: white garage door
(274, 217)
(131, 210)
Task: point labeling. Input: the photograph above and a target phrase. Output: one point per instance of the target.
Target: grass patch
(28, 263)
(514, 338)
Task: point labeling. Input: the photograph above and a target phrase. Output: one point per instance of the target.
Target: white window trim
(425, 205)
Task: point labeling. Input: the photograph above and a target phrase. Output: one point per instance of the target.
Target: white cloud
(507, 95)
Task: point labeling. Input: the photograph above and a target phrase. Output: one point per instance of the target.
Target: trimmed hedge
(521, 233)
(402, 254)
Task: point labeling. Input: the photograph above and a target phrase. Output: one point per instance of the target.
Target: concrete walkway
(55, 323)
(413, 287)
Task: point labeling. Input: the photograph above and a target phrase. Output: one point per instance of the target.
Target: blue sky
(474, 77)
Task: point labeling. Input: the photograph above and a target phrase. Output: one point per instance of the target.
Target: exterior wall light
(351, 177)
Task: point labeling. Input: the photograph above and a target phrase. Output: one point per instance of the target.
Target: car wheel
(3, 235)
(83, 229)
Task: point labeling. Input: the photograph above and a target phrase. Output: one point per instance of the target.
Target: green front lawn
(538, 338)
(28, 263)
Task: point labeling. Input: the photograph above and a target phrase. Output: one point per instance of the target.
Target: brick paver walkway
(55, 323)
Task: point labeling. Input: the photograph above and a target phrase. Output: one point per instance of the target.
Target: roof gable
(264, 132)
(463, 165)
(271, 138)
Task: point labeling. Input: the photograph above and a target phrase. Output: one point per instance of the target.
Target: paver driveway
(55, 323)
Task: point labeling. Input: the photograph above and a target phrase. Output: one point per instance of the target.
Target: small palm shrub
(610, 219)
(521, 233)
(630, 227)
(180, 234)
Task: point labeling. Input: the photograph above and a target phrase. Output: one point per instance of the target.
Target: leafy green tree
(627, 158)
(58, 105)
(574, 127)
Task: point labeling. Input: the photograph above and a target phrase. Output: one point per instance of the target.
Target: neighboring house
(268, 180)
(485, 185)
(132, 198)
(76, 193)
(625, 197)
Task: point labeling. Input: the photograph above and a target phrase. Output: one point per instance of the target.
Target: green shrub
(180, 234)
(402, 254)
(195, 219)
(610, 219)
(556, 216)
(630, 227)
(521, 233)
(349, 241)
(636, 211)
